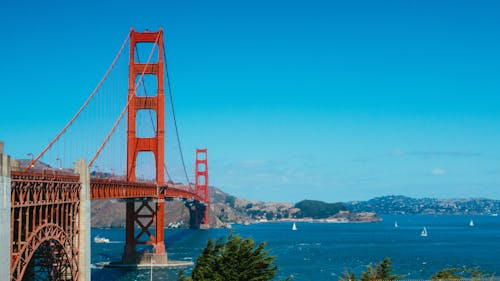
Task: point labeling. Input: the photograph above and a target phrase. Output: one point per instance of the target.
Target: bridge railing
(101, 188)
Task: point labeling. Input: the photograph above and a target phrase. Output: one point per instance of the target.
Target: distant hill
(398, 204)
(111, 213)
(226, 208)
(318, 209)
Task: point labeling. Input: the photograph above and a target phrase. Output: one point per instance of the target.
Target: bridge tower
(147, 213)
(201, 185)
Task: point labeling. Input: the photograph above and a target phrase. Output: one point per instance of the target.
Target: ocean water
(323, 251)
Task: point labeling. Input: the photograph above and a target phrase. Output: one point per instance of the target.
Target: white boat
(471, 223)
(396, 224)
(98, 239)
(424, 232)
(294, 227)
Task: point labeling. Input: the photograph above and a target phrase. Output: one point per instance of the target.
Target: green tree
(348, 276)
(269, 215)
(230, 200)
(381, 271)
(458, 273)
(233, 258)
(370, 274)
(447, 274)
(384, 270)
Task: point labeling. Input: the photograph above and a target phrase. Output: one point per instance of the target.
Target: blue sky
(331, 100)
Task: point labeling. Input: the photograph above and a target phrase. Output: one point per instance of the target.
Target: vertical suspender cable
(173, 113)
(126, 106)
(151, 114)
(83, 106)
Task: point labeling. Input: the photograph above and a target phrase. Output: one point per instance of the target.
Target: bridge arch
(51, 237)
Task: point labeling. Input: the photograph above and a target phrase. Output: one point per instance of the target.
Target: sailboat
(471, 223)
(98, 239)
(294, 227)
(424, 232)
(396, 224)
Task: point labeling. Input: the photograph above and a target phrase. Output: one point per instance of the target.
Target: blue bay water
(322, 251)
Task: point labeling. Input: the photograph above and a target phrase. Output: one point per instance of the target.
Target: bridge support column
(148, 216)
(84, 222)
(5, 220)
(197, 216)
(129, 254)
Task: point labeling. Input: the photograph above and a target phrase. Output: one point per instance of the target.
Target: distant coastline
(345, 217)
(227, 209)
(403, 205)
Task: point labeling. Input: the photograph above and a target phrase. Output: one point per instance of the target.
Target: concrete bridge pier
(197, 215)
(5, 223)
(84, 242)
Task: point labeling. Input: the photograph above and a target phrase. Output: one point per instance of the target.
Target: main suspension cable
(34, 160)
(173, 113)
(126, 106)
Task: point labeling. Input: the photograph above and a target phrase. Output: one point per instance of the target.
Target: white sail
(424, 232)
(294, 227)
(396, 224)
(471, 223)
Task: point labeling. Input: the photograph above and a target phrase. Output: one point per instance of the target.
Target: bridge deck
(106, 188)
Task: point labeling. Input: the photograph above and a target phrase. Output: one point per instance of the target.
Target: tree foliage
(230, 200)
(459, 273)
(384, 271)
(233, 258)
(381, 271)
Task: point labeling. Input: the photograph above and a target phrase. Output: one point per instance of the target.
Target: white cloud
(438, 171)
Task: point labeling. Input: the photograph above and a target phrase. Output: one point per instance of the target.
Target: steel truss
(44, 224)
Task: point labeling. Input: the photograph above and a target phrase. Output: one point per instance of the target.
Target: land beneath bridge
(227, 209)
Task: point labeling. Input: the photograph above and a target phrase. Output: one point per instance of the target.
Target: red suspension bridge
(123, 136)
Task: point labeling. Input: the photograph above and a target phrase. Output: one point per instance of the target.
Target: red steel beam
(120, 189)
(99, 189)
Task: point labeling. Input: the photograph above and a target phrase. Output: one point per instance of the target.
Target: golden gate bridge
(46, 199)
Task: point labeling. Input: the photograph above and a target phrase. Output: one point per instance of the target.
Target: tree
(233, 258)
(447, 274)
(269, 215)
(384, 270)
(381, 271)
(459, 273)
(348, 276)
(230, 200)
(370, 274)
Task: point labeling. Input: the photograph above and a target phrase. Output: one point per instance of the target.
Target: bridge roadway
(50, 213)
(109, 188)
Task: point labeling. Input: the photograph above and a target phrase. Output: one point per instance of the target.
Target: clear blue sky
(331, 100)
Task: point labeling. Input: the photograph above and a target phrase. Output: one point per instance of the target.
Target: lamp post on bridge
(32, 159)
(60, 163)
